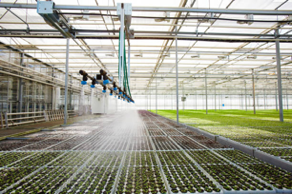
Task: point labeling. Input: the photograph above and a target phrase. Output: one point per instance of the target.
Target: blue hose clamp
(83, 82)
(103, 91)
(92, 86)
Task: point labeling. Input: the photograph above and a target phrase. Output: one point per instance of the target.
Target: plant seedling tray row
(140, 143)
(47, 180)
(153, 155)
(140, 159)
(7, 158)
(164, 143)
(138, 180)
(278, 178)
(38, 159)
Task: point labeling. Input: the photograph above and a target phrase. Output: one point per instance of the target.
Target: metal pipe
(154, 9)
(121, 59)
(253, 92)
(129, 64)
(20, 31)
(264, 99)
(245, 96)
(20, 88)
(155, 37)
(66, 82)
(176, 73)
(206, 90)
(156, 97)
(215, 98)
(287, 100)
(150, 99)
(276, 96)
(278, 59)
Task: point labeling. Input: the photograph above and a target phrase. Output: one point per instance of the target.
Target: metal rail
(153, 9)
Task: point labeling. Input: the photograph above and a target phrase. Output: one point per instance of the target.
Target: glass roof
(153, 54)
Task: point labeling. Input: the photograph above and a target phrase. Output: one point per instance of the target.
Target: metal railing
(15, 119)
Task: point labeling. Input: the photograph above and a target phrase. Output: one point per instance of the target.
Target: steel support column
(156, 97)
(66, 82)
(150, 97)
(20, 87)
(287, 99)
(253, 93)
(206, 91)
(215, 98)
(278, 58)
(276, 96)
(176, 73)
(265, 99)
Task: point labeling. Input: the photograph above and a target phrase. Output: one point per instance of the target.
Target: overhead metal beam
(147, 37)
(49, 31)
(154, 9)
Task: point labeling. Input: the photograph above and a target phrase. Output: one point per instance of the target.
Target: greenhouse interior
(134, 97)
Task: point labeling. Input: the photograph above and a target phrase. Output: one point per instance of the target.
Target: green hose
(125, 78)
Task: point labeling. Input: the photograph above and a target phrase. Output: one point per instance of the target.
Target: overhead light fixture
(89, 54)
(166, 15)
(222, 57)
(251, 57)
(248, 17)
(195, 56)
(139, 55)
(110, 55)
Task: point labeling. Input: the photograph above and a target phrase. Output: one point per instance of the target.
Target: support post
(276, 96)
(183, 94)
(6, 119)
(265, 99)
(287, 99)
(146, 102)
(196, 101)
(176, 72)
(1, 121)
(206, 90)
(215, 98)
(278, 58)
(164, 101)
(156, 96)
(66, 82)
(150, 99)
(253, 92)
(20, 87)
(46, 116)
